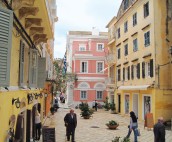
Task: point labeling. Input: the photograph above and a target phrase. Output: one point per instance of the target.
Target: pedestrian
(38, 125)
(96, 104)
(133, 126)
(159, 131)
(70, 120)
(93, 104)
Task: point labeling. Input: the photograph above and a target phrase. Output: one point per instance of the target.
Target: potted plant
(106, 104)
(112, 107)
(119, 139)
(112, 124)
(86, 113)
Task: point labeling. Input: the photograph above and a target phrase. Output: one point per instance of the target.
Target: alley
(94, 129)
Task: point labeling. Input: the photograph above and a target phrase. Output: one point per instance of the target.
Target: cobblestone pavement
(95, 130)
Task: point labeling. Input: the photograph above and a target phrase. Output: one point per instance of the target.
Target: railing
(110, 58)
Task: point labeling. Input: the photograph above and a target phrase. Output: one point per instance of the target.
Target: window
(135, 45)
(83, 95)
(128, 72)
(84, 67)
(146, 9)
(126, 49)
(118, 33)
(138, 70)
(123, 74)
(119, 53)
(99, 67)
(6, 22)
(125, 26)
(147, 38)
(82, 48)
(149, 68)
(126, 4)
(99, 95)
(119, 74)
(134, 19)
(100, 47)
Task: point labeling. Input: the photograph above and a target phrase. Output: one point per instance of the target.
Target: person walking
(96, 104)
(70, 120)
(38, 125)
(159, 131)
(133, 126)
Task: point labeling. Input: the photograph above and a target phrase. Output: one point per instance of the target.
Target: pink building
(86, 61)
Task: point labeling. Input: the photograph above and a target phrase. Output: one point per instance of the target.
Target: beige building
(140, 38)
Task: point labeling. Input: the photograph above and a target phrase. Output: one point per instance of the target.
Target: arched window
(83, 85)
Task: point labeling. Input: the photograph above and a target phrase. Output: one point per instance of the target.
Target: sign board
(149, 123)
(48, 134)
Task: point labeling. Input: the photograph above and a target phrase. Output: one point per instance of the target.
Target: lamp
(29, 97)
(36, 96)
(45, 95)
(17, 102)
(40, 95)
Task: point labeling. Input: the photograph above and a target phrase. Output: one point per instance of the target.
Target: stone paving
(95, 130)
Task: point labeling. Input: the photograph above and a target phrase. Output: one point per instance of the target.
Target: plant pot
(112, 126)
(86, 117)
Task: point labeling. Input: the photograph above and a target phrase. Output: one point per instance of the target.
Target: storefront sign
(48, 134)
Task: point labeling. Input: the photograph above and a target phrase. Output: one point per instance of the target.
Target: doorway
(119, 103)
(146, 104)
(127, 98)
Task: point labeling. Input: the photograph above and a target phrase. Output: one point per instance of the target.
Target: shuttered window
(41, 72)
(143, 69)
(138, 70)
(6, 23)
(123, 74)
(33, 63)
(21, 78)
(132, 72)
(151, 68)
(119, 74)
(128, 72)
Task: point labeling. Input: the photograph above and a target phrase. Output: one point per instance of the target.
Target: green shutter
(138, 70)
(21, 78)
(132, 72)
(128, 72)
(151, 68)
(6, 23)
(41, 72)
(123, 74)
(143, 69)
(33, 63)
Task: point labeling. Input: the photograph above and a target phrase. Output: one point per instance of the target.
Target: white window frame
(135, 45)
(117, 53)
(134, 19)
(97, 70)
(84, 91)
(86, 67)
(97, 98)
(82, 47)
(126, 26)
(146, 14)
(102, 49)
(126, 49)
(146, 38)
(147, 69)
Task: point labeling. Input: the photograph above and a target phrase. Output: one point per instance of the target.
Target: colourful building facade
(142, 43)
(86, 62)
(27, 32)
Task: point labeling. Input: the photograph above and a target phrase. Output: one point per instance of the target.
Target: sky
(81, 15)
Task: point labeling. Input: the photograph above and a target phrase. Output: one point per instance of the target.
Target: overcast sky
(77, 15)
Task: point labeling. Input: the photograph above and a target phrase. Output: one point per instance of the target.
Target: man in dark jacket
(159, 131)
(70, 122)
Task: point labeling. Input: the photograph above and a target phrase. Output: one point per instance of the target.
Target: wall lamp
(40, 95)
(17, 102)
(36, 95)
(29, 98)
(45, 95)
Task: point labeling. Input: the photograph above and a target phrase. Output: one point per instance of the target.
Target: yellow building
(143, 53)
(26, 47)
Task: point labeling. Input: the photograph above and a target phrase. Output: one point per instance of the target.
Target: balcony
(110, 59)
(110, 83)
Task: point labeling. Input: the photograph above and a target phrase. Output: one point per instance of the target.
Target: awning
(137, 87)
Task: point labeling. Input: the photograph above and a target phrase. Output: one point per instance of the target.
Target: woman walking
(133, 126)
(38, 125)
